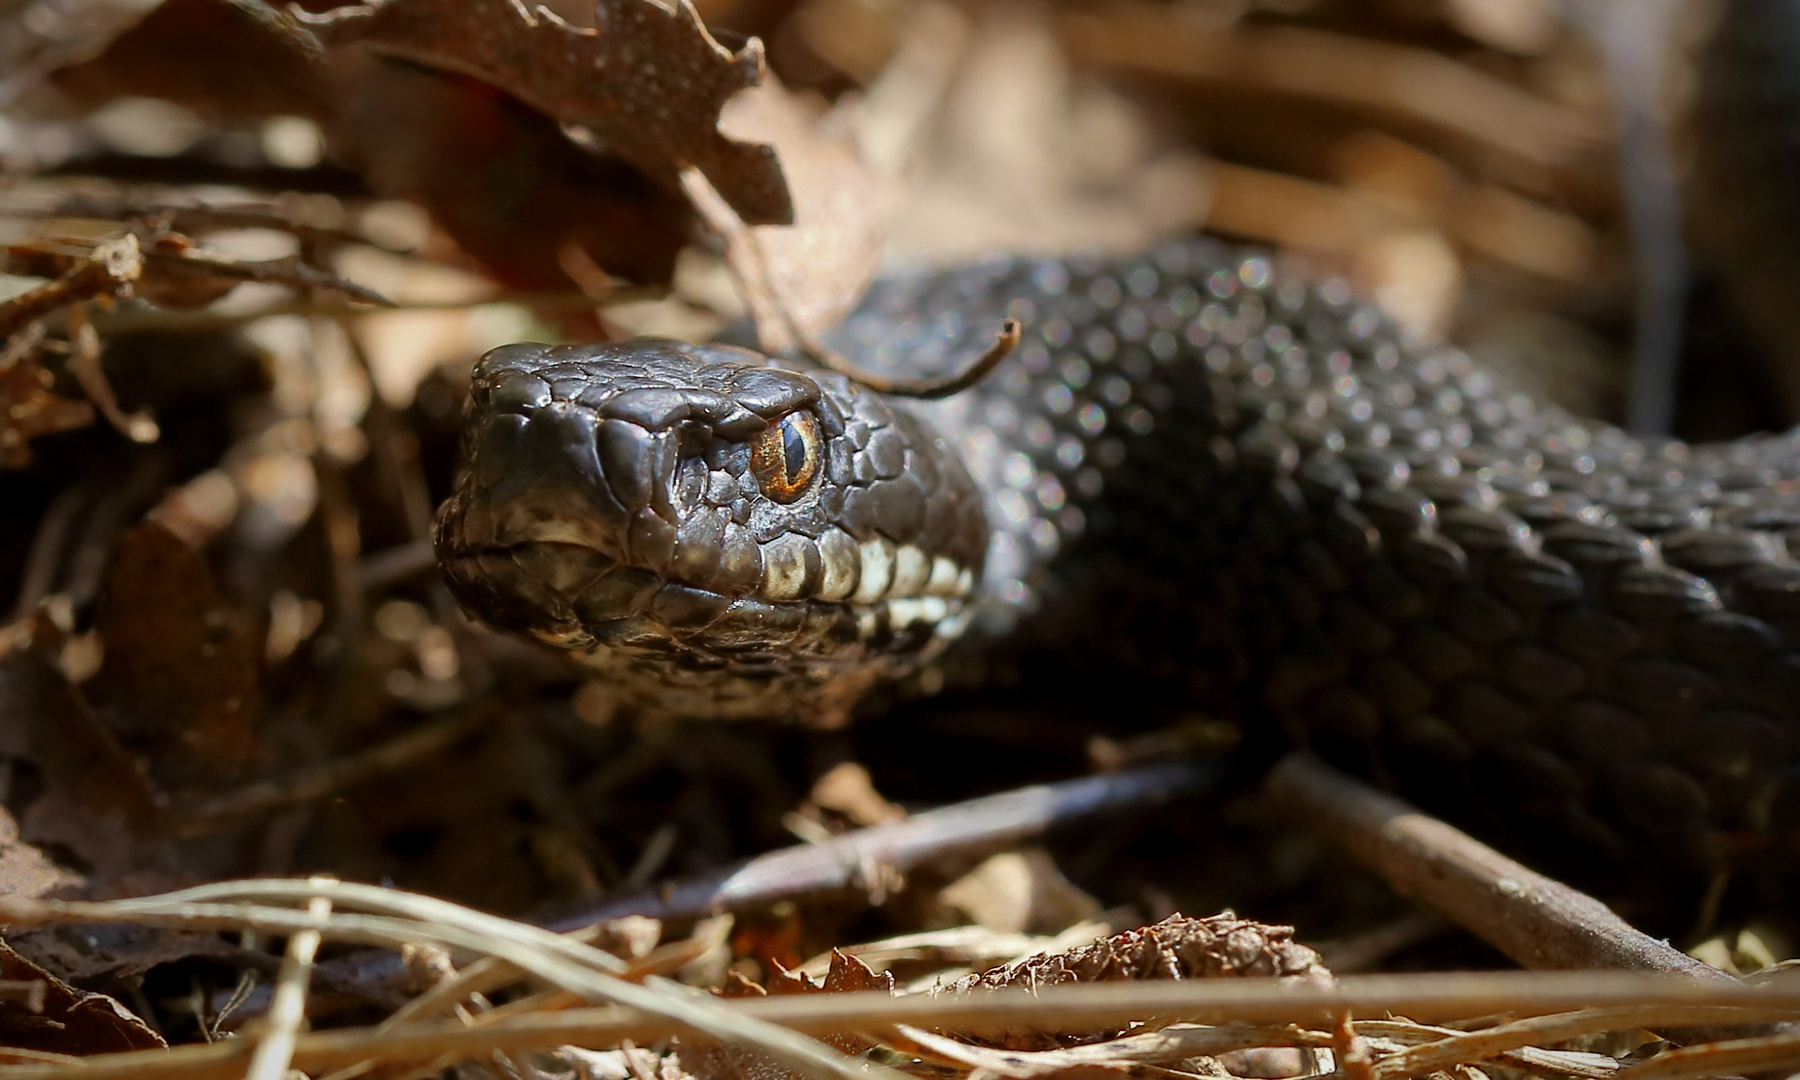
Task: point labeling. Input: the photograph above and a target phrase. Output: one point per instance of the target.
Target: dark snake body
(1199, 471)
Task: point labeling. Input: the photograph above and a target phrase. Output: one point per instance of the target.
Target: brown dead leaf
(71, 1021)
(1018, 891)
(115, 953)
(245, 68)
(847, 789)
(800, 279)
(459, 147)
(24, 870)
(645, 81)
(181, 660)
(95, 804)
(716, 1061)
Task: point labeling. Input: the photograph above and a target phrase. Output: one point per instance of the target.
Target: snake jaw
(705, 522)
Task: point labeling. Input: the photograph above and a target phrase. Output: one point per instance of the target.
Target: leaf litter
(236, 665)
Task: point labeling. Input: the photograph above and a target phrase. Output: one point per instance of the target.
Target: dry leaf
(1018, 891)
(72, 1021)
(181, 661)
(24, 870)
(459, 147)
(646, 82)
(716, 1061)
(95, 805)
(800, 279)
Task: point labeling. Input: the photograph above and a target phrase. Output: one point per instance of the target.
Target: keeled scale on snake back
(1200, 471)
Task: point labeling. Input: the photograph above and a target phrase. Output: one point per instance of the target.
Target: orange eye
(786, 456)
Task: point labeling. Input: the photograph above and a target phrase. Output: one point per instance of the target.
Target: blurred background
(1553, 185)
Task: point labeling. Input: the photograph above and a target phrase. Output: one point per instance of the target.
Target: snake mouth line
(597, 600)
(862, 575)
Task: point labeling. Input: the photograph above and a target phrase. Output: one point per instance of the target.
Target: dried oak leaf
(500, 177)
(646, 82)
(717, 1061)
(71, 1021)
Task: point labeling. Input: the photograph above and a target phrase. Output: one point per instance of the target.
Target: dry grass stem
(275, 1050)
(1491, 1042)
(1737, 1057)
(405, 918)
(1632, 1000)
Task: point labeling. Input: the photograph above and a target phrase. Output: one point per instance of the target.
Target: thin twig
(1166, 1047)
(141, 319)
(959, 831)
(1737, 1057)
(306, 785)
(107, 269)
(84, 364)
(931, 389)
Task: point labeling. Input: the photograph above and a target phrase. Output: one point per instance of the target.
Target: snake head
(723, 536)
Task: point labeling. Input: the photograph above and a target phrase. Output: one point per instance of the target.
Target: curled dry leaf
(646, 82)
(433, 139)
(70, 1021)
(1176, 948)
(716, 1061)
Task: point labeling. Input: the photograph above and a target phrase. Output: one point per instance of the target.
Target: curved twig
(930, 389)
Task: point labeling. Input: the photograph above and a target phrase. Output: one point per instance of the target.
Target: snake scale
(1197, 470)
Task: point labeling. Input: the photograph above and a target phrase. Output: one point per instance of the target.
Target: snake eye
(786, 456)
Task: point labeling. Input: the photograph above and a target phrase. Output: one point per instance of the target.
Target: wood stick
(1536, 920)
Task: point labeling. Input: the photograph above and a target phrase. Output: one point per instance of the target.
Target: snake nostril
(687, 484)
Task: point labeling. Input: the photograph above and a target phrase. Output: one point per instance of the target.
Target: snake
(1198, 470)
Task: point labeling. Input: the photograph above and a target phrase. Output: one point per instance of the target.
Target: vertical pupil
(793, 447)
